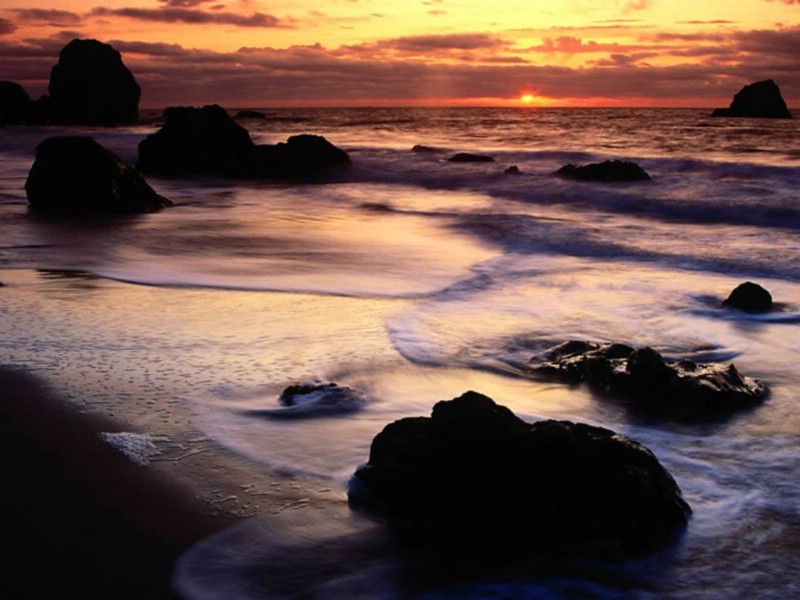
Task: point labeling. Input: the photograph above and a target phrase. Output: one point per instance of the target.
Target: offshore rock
(749, 297)
(90, 85)
(15, 104)
(474, 473)
(302, 156)
(684, 389)
(761, 99)
(608, 170)
(466, 157)
(196, 141)
(207, 141)
(75, 175)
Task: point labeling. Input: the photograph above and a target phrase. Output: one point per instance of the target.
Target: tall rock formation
(90, 85)
(760, 99)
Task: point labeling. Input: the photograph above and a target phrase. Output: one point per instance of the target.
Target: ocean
(412, 279)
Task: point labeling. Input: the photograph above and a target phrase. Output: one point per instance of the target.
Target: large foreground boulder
(474, 473)
(207, 141)
(683, 389)
(90, 85)
(15, 104)
(75, 175)
(606, 171)
(761, 99)
(749, 297)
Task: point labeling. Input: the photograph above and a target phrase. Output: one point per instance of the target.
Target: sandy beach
(81, 518)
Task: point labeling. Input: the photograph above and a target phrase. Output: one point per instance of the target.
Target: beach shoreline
(81, 517)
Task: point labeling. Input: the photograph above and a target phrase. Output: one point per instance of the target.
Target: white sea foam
(139, 448)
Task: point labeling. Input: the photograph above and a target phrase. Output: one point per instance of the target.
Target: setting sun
(526, 98)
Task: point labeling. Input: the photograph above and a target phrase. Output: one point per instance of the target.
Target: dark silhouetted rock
(761, 99)
(207, 141)
(75, 175)
(15, 104)
(90, 85)
(196, 141)
(512, 170)
(750, 297)
(299, 157)
(255, 115)
(683, 389)
(465, 157)
(306, 400)
(475, 473)
(608, 170)
(424, 149)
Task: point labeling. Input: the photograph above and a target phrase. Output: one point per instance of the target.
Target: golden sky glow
(357, 52)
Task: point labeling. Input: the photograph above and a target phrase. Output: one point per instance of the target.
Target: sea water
(412, 279)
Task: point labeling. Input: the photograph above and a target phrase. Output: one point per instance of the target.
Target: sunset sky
(262, 53)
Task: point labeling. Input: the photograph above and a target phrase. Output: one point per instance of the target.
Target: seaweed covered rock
(682, 389)
(761, 99)
(207, 141)
(749, 297)
(607, 171)
(75, 175)
(90, 85)
(475, 473)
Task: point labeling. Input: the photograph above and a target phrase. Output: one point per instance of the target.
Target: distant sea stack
(761, 99)
(15, 104)
(90, 85)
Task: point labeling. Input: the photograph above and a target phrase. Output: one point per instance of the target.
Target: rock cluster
(680, 389)
(89, 85)
(207, 141)
(474, 473)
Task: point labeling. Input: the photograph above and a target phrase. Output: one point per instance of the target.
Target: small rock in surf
(749, 297)
(317, 399)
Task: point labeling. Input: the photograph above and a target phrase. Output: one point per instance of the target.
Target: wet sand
(80, 518)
